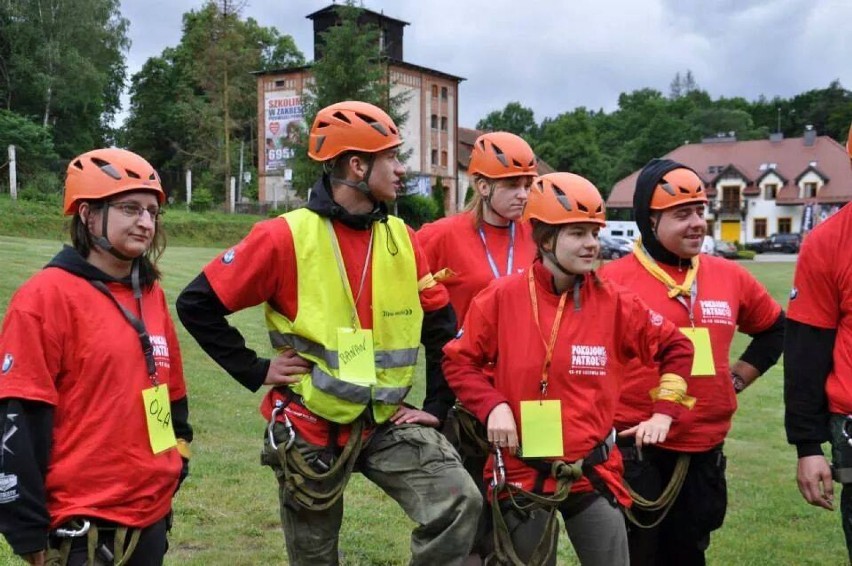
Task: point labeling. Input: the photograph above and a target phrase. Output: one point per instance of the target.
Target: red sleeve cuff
(674, 410)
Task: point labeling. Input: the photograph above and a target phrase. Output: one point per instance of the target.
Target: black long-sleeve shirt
(808, 359)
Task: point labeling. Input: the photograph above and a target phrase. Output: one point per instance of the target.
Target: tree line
(63, 68)
(607, 146)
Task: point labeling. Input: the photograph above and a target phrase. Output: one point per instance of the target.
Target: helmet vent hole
(319, 141)
(516, 163)
(78, 164)
(501, 157)
(132, 174)
(152, 177)
(107, 168)
(582, 207)
(323, 124)
(683, 190)
(379, 128)
(342, 117)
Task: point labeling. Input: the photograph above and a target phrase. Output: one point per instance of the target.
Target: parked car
(726, 249)
(783, 243)
(708, 246)
(614, 247)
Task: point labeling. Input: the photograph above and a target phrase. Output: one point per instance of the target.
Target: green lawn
(227, 510)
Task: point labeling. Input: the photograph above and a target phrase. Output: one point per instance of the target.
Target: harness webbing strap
(841, 475)
(297, 472)
(565, 474)
(522, 500)
(666, 499)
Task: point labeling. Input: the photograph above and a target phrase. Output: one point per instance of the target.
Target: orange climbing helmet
(678, 186)
(351, 126)
(501, 154)
(565, 198)
(102, 173)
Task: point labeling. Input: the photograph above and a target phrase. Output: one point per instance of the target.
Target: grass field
(226, 513)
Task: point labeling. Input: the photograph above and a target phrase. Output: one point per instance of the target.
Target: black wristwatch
(738, 381)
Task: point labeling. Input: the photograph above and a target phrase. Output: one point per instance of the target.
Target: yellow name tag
(541, 429)
(158, 413)
(702, 362)
(355, 355)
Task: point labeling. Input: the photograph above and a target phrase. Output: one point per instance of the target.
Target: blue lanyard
(511, 259)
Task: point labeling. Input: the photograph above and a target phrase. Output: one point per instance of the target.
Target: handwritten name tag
(702, 362)
(158, 414)
(355, 355)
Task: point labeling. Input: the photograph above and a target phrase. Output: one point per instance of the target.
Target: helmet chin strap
(103, 242)
(487, 202)
(552, 257)
(361, 186)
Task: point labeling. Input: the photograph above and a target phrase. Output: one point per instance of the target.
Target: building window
(444, 123)
(810, 190)
(760, 227)
(443, 159)
(785, 225)
(711, 226)
(443, 93)
(730, 199)
(434, 157)
(434, 121)
(434, 91)
(770, 192)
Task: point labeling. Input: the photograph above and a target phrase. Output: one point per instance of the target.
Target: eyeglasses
(134, 209)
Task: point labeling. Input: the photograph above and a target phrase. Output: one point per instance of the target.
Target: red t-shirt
(72, 348)
(593, 345)
(822, 297)
(262, 268)
(455, 243)
(728, 297)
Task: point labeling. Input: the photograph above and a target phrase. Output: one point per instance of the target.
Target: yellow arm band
(183, 448)
(672, 388)
(444, 274)
(425, 282)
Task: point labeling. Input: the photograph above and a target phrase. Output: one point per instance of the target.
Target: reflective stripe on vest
(323, 308)
(384, 359)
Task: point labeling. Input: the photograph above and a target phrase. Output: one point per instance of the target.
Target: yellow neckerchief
(651, 266)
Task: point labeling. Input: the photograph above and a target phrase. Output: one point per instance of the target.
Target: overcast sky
(556, 55)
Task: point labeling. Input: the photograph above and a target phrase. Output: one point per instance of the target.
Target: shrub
(417, 210)
(746, 254)
(202, 200)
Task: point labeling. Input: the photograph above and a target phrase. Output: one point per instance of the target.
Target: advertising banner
(284, 121)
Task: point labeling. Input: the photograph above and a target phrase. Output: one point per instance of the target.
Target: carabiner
(499, 477)
(279, 407)
(71, 533)
(845, 431)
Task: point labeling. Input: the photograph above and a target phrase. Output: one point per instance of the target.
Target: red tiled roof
(791, 156)
(466, 138)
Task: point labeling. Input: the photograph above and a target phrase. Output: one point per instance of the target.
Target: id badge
(541, 429)
(158, 414)
(702, 362)
(355, 356)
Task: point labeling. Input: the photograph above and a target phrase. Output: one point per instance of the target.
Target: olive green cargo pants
(414, 465)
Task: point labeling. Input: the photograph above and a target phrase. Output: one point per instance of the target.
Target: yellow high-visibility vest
(324, 307)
